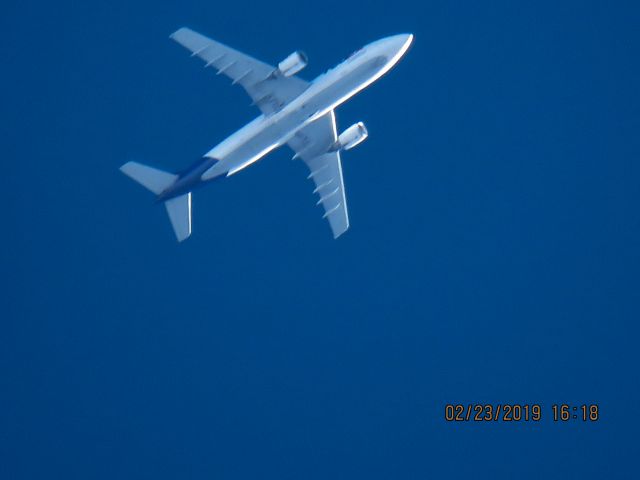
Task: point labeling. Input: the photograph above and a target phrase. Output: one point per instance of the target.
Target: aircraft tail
(178, 208)
(150, 178)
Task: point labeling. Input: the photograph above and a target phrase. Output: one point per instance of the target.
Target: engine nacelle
(292, 64)
(352, 136)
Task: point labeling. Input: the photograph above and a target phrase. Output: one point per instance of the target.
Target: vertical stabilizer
(179, 210)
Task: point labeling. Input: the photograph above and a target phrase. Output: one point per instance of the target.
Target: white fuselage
(325, 93)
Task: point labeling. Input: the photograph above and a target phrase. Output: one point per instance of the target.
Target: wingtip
(177, 32)
(337, 235)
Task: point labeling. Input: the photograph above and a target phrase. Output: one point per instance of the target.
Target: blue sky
(493, 255)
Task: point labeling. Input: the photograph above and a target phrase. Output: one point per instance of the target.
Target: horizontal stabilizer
(179, 210)
(150, 178)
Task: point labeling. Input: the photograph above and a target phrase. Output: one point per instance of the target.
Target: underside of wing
(313, 144)
(268, 90)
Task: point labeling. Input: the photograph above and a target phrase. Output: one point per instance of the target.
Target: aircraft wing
(311, 144)
(269, 92)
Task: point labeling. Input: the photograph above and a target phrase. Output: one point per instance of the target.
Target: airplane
(293, 112)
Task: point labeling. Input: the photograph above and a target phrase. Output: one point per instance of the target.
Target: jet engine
(292, 64)
(352, 136)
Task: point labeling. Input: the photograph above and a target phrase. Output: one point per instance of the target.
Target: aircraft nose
(398, 44)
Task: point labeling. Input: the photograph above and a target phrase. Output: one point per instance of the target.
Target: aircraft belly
(254, 147)
(264, 134)
(339, 90)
